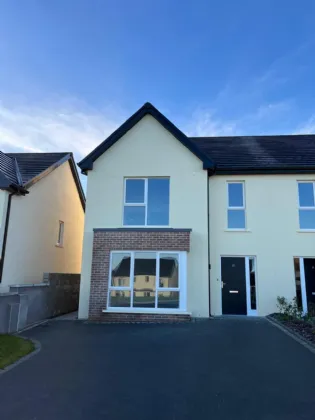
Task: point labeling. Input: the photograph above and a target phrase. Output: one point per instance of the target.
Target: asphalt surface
(216, 369)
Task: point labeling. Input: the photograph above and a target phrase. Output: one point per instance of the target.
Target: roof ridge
(253, 136)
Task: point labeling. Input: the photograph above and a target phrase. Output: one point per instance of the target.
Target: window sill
(306, 230)
(238, 230)
(146, 311)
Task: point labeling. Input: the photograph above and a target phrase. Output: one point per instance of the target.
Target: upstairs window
(146, 201)
(307, 205)
(236, 205)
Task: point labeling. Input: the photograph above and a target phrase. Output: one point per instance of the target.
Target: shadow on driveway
(217, 369)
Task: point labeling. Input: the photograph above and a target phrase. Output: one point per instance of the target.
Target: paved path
(216, 369)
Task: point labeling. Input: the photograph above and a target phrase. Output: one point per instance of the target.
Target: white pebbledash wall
(272, 235)
(33, 230)
(150, 150)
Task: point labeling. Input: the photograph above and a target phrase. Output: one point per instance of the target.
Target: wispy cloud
(55, 127)
(262, 120)
(308, 127)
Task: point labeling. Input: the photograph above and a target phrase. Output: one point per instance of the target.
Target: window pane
(143, 298)
(306, 194)
(145, 280)
(307, 219)
(168, 270)
(298, 282)
(158, 201)
(236, 219)
(119, 299)
(236, 195)
(134, 215)
(120, 270)
(134, 190)
(168, 300)
(252, 279)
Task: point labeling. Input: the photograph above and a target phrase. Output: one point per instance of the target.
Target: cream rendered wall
(150, 150)
(33, 230)
(273, 235)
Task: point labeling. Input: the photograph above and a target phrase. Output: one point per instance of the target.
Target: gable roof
(86, 164)
(33, 164)
(227, 155)
(19, 171)
(9, 175)
(260, 154)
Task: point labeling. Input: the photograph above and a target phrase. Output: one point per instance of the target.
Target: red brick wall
(119, 240)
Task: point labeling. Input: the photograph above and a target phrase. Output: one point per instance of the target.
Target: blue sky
(71, 71)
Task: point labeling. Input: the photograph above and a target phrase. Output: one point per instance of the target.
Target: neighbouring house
(41, 217)
(181, 226)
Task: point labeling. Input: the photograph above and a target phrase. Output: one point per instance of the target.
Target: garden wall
(28, 304)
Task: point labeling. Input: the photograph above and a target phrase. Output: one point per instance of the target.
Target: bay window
(147, 281)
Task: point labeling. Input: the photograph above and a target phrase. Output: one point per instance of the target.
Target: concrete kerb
(292, 334)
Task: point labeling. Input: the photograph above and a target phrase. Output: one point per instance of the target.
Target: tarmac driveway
(217, 369)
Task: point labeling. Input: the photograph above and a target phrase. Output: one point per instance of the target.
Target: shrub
(289, 310)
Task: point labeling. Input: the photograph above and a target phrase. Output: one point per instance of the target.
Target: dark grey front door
(309, 271)
(233, 278)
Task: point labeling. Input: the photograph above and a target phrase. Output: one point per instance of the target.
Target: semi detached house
(180, 227)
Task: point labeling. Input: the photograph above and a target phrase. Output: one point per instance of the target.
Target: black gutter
(5, 235)
(266, 171)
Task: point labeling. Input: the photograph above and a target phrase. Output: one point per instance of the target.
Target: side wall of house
(33, 230)
(148, 150)
(272, 235)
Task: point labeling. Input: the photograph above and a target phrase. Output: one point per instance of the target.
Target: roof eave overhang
(262, 171)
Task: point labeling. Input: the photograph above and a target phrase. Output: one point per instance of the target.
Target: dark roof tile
(8, 169)
(261, 153)
(33, 164)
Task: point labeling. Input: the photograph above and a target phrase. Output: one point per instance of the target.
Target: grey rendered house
(232, 219)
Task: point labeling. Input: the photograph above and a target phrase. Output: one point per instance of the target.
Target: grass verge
(13, 348)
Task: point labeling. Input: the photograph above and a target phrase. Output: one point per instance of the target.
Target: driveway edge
(24, 358)
(292, 334)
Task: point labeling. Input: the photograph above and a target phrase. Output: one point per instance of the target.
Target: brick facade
(107, 240)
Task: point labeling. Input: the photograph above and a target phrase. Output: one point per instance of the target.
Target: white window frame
(305, 207)
(243, 207)
(303, 283)
(145, 203)
(61, 231)
(182, 270)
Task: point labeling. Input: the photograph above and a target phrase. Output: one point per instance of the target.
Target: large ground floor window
(148, 281)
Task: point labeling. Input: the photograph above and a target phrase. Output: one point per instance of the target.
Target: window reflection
(298, 282)
(168, 299)
(252, 274)
(119, 298)
(145, 280)
(168, 271)
(120, 270)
